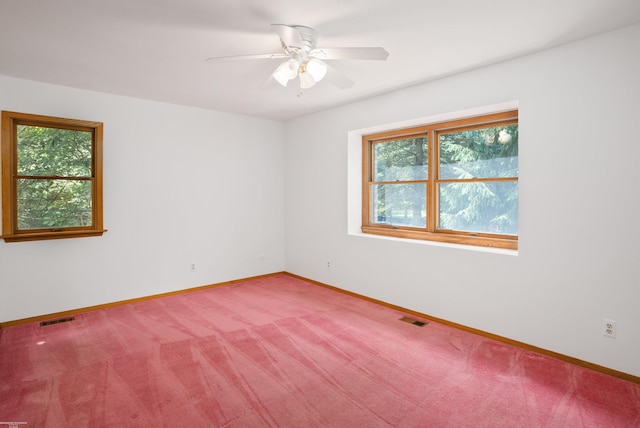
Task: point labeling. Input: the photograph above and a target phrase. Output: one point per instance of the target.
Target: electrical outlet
(328, 263)
(609, 328)
(193, 266)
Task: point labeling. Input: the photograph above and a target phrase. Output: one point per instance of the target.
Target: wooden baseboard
(124, 302)
(556, 355)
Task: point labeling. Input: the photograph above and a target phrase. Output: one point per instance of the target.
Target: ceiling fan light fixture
(286, 71)
(317, 69)
(303, 59)
(306, 80)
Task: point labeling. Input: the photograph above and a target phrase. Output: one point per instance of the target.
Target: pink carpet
(280, 352)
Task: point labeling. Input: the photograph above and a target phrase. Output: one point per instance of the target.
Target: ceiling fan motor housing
(308, 35)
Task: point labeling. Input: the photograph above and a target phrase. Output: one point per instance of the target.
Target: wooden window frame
(431, 232)
(9, 156)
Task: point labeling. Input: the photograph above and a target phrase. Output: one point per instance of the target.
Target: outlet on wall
(609, 328)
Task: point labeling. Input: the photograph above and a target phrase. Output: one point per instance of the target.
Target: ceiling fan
(303, 59)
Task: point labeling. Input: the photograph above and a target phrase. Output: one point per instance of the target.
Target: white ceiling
(155, 49)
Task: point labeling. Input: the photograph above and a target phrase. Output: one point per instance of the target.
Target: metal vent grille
(413, 321)
(59, 320)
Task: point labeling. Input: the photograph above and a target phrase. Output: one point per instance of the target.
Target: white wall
(578, 260)
(181, 186)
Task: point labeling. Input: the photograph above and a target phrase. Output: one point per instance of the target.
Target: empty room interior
(270, 189)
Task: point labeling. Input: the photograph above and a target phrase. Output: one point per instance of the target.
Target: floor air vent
(412, 321)
(67, 319)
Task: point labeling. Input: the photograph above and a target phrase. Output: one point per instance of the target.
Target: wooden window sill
(479, 241)
(40, 236)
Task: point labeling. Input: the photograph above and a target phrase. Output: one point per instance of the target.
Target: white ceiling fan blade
(243, 57)
(338, 79)
(289, 35)
(269, 83)
(379, 54)
(286, 71)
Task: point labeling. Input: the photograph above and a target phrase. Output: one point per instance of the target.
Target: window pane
(53, 203)
(399, 204)
(479, 207)
(479, 153)
(400, 160)
(53, 152)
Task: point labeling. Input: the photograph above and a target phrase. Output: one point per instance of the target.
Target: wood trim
(444, 236)
(365, 174)
(472, 121)
(6, 156)
(39, 318)
(98, 223)
(39, 236)
(502, 339)
(51, 121)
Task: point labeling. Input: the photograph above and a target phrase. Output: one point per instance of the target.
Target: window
(454, 182)
(51, 177)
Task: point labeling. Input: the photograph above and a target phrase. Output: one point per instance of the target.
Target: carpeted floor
(281, 352)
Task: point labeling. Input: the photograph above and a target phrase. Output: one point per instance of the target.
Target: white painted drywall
(578, 260)
(181, 186)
